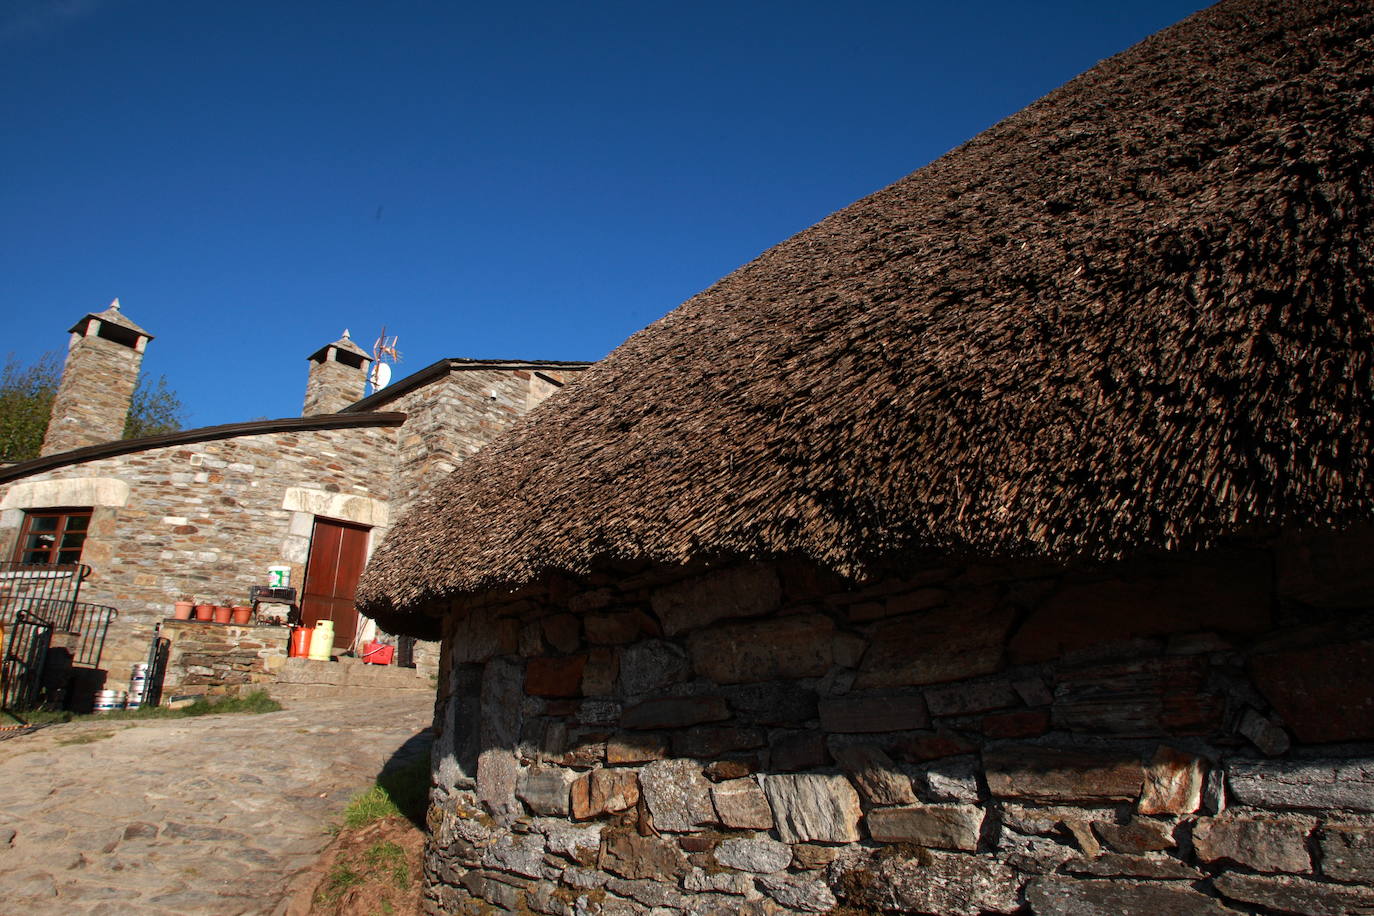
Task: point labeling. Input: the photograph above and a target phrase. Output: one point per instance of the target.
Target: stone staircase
(345, 676)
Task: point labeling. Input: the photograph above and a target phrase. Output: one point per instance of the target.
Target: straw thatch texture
(1136, 314)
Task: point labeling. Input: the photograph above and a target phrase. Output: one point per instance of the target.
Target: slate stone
(869, 714)
(631, 747)
(494, 887)
(947, 644)
(652, 664)
(775, 703)
(1034, 855)
(966, 699)
(1139, 835)
(707, 742)
(522, 854)
(699, 881)
(1059, 896)
(789, 751)
(875, 776)
(604, 791)
(1139, 697)
(745, 591)
(736, 768)
(808, 895)
(952, 779)
(759, 855)
(1302, 783)
(615, 629)
(941, 743)
(600, 674)
(813, 806)
(678, 795)
(1053, 775)
(545, 790)
(1174, 781)
(937, 826)
(741, 804)
(1032, 691)
(563, 632)
(629, 855)
(797, 646)
(950, 883)
(1265, 844)
(579, 843)
(1289, 894)
(1056, 821)
(497, 777)
(1263, 734)
(1347, 852)
(1023, 723)
(675, 712)
(650, 893)
(1324, 693)
(807, 856)
(1122, 865)
(555, 677)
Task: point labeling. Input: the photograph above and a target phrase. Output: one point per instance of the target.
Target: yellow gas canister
(322, 641)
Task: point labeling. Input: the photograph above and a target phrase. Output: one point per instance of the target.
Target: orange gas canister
(300, 642)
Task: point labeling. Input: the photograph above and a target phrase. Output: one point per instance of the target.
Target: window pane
(73, 540)
(78, 522)
(44, 523)
(69, 556)
(40, 541)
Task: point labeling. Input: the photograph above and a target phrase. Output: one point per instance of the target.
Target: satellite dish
(380, 376)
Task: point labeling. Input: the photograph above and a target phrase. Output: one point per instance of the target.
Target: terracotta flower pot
(222, 612)
(205, 611)
(240, 614)
(181, 610)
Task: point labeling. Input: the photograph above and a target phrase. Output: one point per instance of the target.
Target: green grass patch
(256, 702)
(388, 857)
(88, 738)
(401, 791)
(337, 883)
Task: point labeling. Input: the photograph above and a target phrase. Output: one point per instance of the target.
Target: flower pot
(181, 610)
(205, 611)
(240, 614)
(222, 613)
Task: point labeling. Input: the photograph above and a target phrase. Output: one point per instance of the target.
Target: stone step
(287, 691)
(351, 673)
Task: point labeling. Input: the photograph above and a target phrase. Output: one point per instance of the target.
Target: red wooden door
(337, 554)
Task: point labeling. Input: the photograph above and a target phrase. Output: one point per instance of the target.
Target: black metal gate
(27, 638)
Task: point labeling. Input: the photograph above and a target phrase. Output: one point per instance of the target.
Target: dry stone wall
(1168, 736)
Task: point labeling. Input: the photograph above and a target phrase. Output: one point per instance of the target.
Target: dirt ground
(364, 872)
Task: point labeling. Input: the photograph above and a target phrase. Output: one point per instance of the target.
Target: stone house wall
(205, 519)
(1187, 734)
(221, 659)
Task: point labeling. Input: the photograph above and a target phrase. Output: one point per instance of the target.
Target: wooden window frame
(64, 515)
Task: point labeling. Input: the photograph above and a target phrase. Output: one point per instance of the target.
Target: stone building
(204, 513)
(999, 544)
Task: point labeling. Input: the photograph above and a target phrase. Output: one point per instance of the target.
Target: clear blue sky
(537, 179)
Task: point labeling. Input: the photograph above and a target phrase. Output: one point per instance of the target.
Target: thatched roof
(1134, 315)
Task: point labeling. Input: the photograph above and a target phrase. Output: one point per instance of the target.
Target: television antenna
(384, 353)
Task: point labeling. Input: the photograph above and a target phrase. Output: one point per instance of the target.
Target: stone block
(731, 768)
(741, 804)
(869, 714)
(1023, 723)
(759, 855)
(933, 647)
(923, 746)
(615, 629)
(797, 751)
(808, 895)
(578, 843)
(677, 794)
(937, 826)
(555, 677)
(1289, 894)
(563, 632)
(652, 664)
(875, 776)
(636, 748)
(782, 648)
(1053, 775)
(1057, 821)
(1269, 738)
(1123, 865)
(604, 791)
(1324, 694)
(1347, 852)
(952, 779)
(1138, 835)
(1174, 781)
(626, 853)
(675, 712)
(949, 883)
(495, 888)
(779, 703)
(744, 591)
(1226, 593)
(1150, 697)
(1063, 896)
(600, 674)
(813, 807)
(1033, 855)
(969, 698)
(522, 854)
(848, 649)
(709, 742)
(1259, 843)
(544, 790)
(497, 776)
(479, 635)
(1302, 783)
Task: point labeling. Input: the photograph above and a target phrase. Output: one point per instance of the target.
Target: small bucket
(378, 653)
(300, 642)
(108, 700)
(279, 576)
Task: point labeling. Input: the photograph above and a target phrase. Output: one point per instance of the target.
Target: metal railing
(45, 589)
(91, 622)
(21, 670)
(36, 601)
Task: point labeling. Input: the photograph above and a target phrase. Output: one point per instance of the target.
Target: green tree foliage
(26, 396)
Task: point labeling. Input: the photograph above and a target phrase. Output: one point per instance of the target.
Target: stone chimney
(98, 380)
(338, 374)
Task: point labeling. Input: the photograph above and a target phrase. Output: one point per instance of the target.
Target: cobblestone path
(211, 815)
